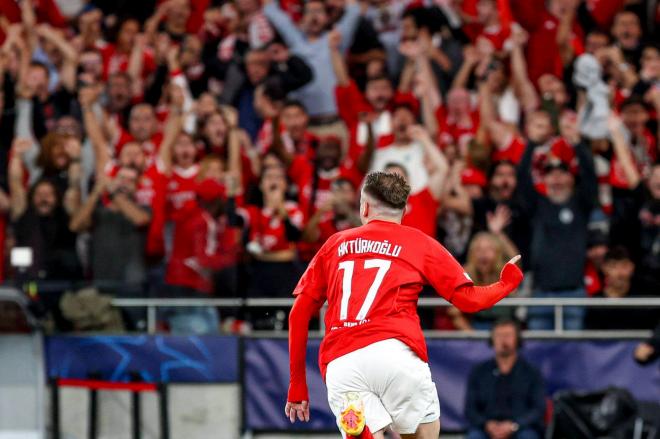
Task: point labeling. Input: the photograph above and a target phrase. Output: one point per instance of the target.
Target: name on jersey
(360, 245)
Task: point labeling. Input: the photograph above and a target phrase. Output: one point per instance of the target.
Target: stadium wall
(229, 384)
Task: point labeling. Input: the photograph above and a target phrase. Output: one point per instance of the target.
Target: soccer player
(373, 357)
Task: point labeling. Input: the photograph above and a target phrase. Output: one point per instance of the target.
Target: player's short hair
(389, 189)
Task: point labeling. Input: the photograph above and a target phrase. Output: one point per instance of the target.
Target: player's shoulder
(337, 237)
(415, 235)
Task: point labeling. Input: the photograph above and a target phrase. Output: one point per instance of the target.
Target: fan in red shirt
(376, 100)
(116, 56)
(493, 22)
(274, 226)
(338, 212)
(457, 121)
(178, 163)
(290, 131)
(353, 105)
(314, 178)
(543, 24)
(371, 277)
(204, 241)
(143, 129)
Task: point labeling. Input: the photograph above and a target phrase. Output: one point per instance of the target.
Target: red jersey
(301, 173)
(543, 54)
(512, 151)
(267, 229)
(180, 193)
(422, 212)
(371, 277)
(149, 147)
(114, 61)
(452, 131)
(149, 183)
(350, 103)
(202, 244)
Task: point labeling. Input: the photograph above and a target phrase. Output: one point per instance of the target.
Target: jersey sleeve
(313, 282)
(443, 272)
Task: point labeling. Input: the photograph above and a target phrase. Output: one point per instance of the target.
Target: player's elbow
(468, 307)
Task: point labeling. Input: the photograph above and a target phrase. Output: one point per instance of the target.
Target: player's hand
(498, 219)
(511, 274)
(298, 410)
(514, 260)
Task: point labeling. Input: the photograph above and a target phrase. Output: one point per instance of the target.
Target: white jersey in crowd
(411, 156)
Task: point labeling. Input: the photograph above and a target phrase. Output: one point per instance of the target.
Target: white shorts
(393, 382)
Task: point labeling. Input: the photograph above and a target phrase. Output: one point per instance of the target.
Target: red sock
(366, 434)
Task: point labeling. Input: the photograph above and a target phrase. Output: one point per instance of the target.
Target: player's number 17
(348, 266)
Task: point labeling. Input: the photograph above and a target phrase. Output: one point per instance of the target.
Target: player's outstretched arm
(471, 299)
(297, 405)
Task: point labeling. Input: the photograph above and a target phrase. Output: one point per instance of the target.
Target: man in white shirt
(405, 151)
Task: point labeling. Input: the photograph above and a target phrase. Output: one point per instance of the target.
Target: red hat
(210, 190)
(473, 176)
(561, 155)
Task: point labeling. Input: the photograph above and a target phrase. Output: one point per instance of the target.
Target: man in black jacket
(559, 221)
(275, 66)
(505, 396)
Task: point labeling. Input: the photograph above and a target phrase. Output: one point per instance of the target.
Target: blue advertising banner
(579, 365)
(155, 358)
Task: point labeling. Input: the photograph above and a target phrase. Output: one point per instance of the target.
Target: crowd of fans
(195, 148)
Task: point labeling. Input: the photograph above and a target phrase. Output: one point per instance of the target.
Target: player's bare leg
(429, 430)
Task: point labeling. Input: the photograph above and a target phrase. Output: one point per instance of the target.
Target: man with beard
(118, 92)
(364, 110)
(41, 217)
(294, 123)
(118, 224)
(142, 129)
(310, 42)
(405, 149)
(43, 227)
(505, 395)
(627, 33)
(560, 219)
